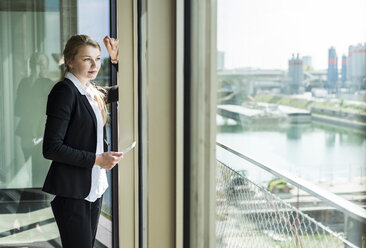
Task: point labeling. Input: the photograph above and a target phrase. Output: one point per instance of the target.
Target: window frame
(114, 130)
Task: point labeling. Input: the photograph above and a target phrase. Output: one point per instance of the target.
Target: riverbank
(350, 114)
(339, 122)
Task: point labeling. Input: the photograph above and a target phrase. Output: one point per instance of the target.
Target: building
(163, 193)
(332, 74)
(220, 60)
(295, 73)
(344, 70)
(356, 66)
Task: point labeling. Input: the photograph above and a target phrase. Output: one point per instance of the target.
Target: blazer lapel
(86, 103)
(90, 109)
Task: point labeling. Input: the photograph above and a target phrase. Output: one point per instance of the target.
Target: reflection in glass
(29, 35)
(32, 36)
(30, 104)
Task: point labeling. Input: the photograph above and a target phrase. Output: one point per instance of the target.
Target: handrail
(351, 209)
(277, 222)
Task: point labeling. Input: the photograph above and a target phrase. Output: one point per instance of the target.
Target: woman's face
(86, 63)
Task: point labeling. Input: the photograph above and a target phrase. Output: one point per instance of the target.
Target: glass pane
(32, 36)
(292, 95)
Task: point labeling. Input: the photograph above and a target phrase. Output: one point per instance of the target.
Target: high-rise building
(344, 70)
(356, 65)
(332, 76)
(220, 60)
(295, 73)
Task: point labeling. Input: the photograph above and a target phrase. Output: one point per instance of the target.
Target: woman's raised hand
(112, 47)
(108, 160)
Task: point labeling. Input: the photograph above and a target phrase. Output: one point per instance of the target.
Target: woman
(73, 140)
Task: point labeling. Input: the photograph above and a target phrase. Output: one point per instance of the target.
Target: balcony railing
(248, 215)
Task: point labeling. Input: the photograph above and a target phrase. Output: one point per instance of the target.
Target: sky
(265, 33)
(93, 20)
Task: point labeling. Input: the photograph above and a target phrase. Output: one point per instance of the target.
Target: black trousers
(77, 221)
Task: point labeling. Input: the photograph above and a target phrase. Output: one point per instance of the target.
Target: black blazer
(70, 140)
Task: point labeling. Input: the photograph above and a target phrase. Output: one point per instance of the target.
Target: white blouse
(99, 182)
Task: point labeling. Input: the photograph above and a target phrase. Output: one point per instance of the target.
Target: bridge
(269, 79)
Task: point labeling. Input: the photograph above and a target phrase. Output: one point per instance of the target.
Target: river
(314, 151)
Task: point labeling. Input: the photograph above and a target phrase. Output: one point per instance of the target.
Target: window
(291, 94)
(33, 34)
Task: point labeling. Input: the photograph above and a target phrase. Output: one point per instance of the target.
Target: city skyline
(264, 34)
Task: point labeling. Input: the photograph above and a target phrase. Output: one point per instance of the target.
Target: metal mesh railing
(248, 215)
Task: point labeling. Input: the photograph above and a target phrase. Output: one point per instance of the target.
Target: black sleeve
(112, 94)
(60, 106)
(115, 66)
(112, 91)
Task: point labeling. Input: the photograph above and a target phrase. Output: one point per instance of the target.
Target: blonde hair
(71, 49)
